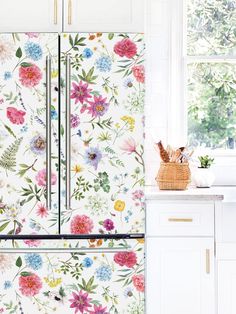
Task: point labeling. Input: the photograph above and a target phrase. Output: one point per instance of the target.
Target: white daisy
(6, 50)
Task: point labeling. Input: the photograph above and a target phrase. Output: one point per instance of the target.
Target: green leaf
(110, 36)
(71, 40)
(9, 130)
(19, 53)
(26, 64)
(19, 262)
(25, 273)
(3, 226)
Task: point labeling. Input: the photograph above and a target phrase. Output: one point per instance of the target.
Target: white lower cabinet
(180, 276)
(227, 287)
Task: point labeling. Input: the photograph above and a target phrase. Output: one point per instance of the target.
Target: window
(210, 77)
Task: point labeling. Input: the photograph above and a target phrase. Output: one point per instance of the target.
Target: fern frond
(8, 158)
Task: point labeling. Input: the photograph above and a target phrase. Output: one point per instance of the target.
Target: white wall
(157, 80)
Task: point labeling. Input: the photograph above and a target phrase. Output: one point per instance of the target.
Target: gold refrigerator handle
(180, 219)
(69, 12)
(208, 261)
(55, 11)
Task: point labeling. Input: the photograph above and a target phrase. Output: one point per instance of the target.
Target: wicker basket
(173, 176)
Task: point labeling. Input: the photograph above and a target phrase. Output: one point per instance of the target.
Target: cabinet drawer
(179, 219)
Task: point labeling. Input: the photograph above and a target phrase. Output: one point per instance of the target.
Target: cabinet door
(28, 133)
(227, 287)
(104, 16)
(180, 276)
(75, 280)
(31, 16)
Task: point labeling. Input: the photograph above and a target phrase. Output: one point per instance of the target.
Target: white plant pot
(203, 177)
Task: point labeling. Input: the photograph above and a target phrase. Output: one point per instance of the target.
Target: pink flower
(80, 302)
(32, 35)
(15, 116)
(81, 224)
(129, 146)
(30, 285)
(98, 107)
(139, 73)
(80, 92)
(42, 210)
(125, 48)
(30, 76)
(99, 310)
(41, 178)
(137, 195)
(128, 259)
(32, 242)
(138, 282)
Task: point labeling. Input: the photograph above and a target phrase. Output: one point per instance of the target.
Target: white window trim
(177, 110)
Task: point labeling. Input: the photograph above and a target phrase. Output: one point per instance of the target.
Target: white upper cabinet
(30, 16)
(104, 16)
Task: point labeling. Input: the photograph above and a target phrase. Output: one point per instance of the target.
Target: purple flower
(74, 120)
(108, 224)
(92, 156)
(98, 107)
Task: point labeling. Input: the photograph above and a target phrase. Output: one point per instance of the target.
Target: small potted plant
(204, 177)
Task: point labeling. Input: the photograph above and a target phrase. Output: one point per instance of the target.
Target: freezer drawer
(29, 133)
(102, 116)
(72, 277)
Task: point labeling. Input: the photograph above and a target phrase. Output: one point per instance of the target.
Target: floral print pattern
(23, 136)
(72, 279)
(107, 165)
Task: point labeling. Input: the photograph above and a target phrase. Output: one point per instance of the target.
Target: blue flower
(87, 262)
(7, 75)
(92, 156)
(33, 261)
(128, 82)
(87, 53)
(128, 292)
(104, 273)
(54, 115)
(33, 51)
(104, 64)
(38, 145)
(7, 284)
(24, 129)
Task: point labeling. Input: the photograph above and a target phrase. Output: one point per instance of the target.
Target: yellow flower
(64, 35)
(54, 74)
(117, 125)
(130, 121)
(119, 205)
(141, 241)
(53, 282)
(77, 169)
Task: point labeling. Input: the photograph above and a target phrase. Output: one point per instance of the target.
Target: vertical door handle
(55, 11)
(69, 12)
(208, 261)
(48, 132)
(68, 131)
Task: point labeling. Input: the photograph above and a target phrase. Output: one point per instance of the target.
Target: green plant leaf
(19, 262)
(19, 53)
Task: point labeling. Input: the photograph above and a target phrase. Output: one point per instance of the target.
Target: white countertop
(216, 193)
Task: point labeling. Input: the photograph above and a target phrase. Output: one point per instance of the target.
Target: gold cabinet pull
(69, 12)
(208, 269)
(180, 219)
(55, 11)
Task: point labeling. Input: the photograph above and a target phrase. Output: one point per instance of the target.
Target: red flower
(30, 76)
(125, 48)
(80, 92)
(15, 116)
(139, 73)
(128, 259)
(42, 210)
(30, 285)
(138, 282)
(81, 225)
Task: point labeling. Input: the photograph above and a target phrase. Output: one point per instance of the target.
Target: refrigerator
(72, 208)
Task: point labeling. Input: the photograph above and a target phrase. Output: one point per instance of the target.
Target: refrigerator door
(102, 157)
(28, 133)
(66, 277)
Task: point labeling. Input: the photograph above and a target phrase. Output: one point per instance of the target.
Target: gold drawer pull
(55, 11)
(69, 12)
(208, 270)
(180, 219)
